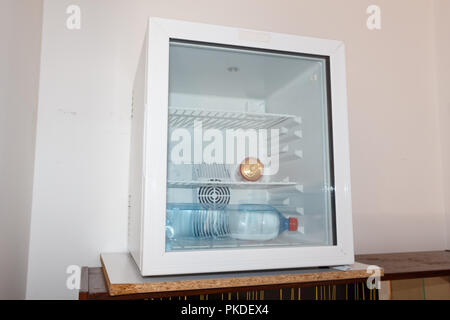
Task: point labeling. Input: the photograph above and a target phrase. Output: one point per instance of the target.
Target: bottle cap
(293, 224)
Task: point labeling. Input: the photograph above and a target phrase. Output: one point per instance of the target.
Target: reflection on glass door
(249, 149)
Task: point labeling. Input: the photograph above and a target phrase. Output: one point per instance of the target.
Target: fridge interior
(214, 90)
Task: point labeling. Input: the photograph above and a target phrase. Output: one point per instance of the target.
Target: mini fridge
(239, 151)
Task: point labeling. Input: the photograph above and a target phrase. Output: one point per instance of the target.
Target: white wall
(81, 170)
(442, 40)
(20, 34)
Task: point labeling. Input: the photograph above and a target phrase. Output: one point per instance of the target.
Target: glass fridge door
(250, 160)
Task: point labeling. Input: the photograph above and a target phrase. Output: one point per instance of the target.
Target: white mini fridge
(239, 152)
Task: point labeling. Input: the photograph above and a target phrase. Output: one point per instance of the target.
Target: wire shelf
(218, 119)
(231, 184)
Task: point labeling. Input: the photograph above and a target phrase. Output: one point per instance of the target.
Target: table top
(410, 265)
(123, 277)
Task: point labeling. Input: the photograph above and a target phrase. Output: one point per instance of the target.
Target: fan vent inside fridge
(214, 197)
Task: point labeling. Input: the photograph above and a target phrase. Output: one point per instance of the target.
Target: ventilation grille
(214, 197)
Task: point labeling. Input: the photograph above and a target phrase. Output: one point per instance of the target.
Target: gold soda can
(251, 169)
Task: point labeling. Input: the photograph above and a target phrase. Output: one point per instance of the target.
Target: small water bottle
(244, 222)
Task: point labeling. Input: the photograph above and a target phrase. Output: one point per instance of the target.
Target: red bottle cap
(293, 224)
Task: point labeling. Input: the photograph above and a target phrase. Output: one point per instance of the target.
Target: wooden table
(396, 266)
(413, 275)
(119, 278)
(411, 265)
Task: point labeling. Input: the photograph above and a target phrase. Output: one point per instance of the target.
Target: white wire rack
(218, 119)
(233, 184)
(213, 171)
(231, 243)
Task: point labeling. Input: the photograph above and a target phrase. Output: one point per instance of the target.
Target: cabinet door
(253, 168)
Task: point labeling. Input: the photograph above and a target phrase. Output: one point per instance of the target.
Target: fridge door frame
(155, 260)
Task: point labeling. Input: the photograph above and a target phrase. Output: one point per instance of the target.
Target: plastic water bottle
(242, 222)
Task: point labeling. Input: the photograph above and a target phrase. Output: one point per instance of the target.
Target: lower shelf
(234, 244)
(234, 184)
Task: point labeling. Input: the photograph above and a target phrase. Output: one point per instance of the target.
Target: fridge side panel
(137, 155)
(155, 144)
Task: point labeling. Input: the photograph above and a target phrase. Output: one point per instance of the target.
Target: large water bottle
(242, 222)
